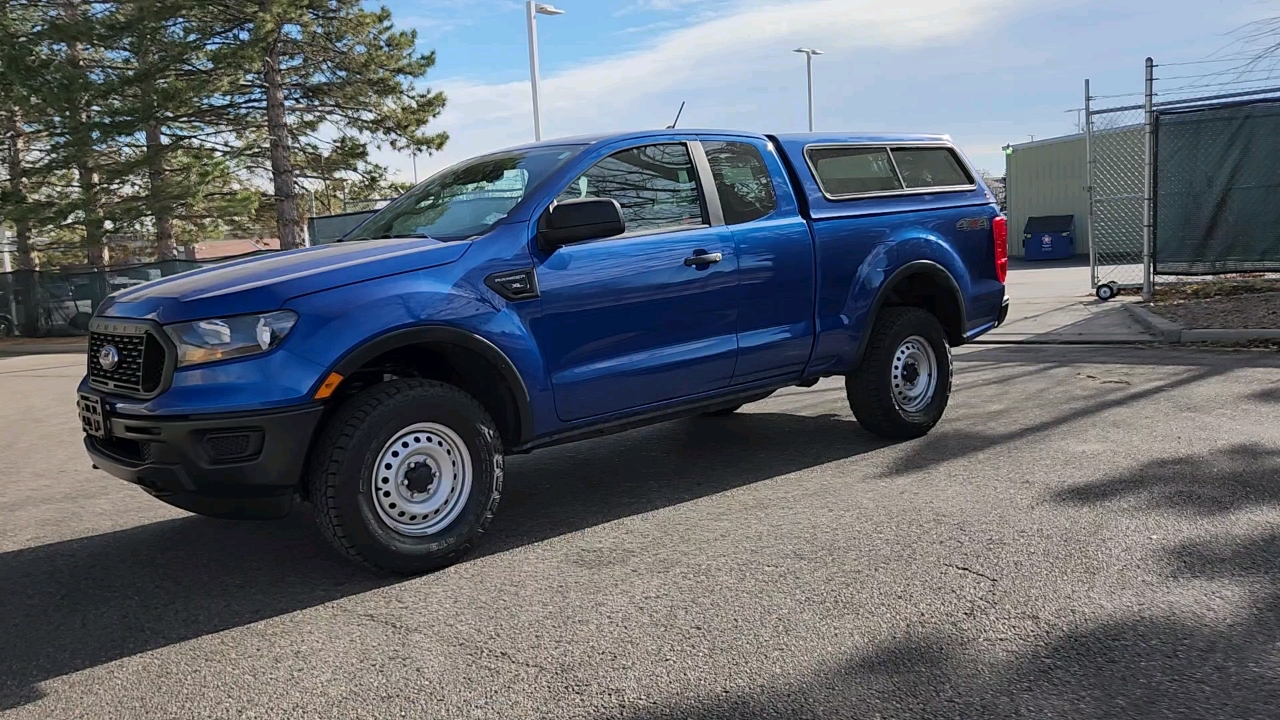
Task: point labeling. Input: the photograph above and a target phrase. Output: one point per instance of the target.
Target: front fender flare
(444, 335)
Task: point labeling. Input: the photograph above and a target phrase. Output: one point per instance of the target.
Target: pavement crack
(971, 571)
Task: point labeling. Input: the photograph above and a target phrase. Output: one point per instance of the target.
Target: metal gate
(1118, 155)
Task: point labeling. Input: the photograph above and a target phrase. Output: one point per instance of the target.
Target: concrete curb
(1220, 335)
(1171, 332)
(1167, 330)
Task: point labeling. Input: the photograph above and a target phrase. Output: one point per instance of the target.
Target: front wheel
(407, 476)
(901, 388)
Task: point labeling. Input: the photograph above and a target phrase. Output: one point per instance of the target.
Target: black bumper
(232, 466)
(1004, 311)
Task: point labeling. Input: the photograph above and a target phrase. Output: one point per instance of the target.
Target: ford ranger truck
(537, 296)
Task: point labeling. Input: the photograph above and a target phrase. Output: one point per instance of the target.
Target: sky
(986, 72)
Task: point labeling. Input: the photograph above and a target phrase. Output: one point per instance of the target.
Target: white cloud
(735, 71)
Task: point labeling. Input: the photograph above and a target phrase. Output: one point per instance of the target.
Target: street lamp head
(544, 9)
(808, 51)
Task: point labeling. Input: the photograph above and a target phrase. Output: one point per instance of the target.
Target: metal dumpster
(1049, 237)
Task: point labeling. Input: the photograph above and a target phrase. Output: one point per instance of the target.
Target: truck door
(775, 258)
(647, 316)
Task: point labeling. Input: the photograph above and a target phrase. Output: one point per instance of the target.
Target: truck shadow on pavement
(74, 605)
(1221, 663)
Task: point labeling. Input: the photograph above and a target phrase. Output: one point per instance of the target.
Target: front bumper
(233, 466)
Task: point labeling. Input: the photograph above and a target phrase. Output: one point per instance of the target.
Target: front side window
(742, 181)
(854, 170)
(466, 200)
(655, 184)
(925, 167)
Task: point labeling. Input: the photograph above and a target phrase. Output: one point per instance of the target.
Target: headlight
(209, 340)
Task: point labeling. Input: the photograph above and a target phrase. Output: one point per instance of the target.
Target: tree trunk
(157, 202)
(17, 137)
(94, 227)
(166, 247)
(86, 172)
(288, 224)
(24, 287)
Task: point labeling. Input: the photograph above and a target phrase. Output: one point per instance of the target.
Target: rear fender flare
(886, 288)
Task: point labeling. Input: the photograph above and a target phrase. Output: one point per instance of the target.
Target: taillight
(1000, 230)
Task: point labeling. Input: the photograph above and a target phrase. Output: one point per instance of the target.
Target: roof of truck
(789, 138)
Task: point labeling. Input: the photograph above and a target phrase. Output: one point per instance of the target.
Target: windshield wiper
(386, 236)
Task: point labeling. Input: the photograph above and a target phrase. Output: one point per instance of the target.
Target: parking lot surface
(1091, 533)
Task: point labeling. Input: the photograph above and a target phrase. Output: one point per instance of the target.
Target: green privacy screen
(1217, 190)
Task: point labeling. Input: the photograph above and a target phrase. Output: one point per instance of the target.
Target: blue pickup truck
(536, 296)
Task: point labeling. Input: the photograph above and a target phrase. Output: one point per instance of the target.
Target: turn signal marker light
(330, 384)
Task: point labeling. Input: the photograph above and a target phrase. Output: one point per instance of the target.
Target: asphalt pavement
(1091, 533)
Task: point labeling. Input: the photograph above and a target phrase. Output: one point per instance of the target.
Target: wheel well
(927, 291)
(461, 367)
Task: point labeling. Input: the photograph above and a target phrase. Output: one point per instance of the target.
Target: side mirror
(577, 220)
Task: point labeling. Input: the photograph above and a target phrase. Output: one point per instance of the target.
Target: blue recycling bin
(1049, 237)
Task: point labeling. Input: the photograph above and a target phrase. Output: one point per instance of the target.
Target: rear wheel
(407, 476)
(901, 388)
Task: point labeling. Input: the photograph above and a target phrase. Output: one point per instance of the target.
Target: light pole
(808, 61)
(532, 10)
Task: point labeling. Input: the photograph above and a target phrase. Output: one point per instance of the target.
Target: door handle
(702, 258)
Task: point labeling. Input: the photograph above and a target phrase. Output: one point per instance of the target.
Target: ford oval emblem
(109, 357)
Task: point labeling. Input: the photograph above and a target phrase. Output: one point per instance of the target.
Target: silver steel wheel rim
(399, 494)
(914, 375)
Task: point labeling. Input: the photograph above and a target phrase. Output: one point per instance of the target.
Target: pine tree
(173, 102)
(326, 75)
(19, 71)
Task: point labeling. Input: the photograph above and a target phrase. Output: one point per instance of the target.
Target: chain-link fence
(1217, 189)
(44, 303)
(1199, 194)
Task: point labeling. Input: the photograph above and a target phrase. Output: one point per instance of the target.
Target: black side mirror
(577, 220)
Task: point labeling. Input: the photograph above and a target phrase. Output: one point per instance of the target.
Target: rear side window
(925, 167)
(853, 170)
(655, 185)
(742, 181)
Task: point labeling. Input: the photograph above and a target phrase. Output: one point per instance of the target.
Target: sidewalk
(19, 346)
(1051, 303)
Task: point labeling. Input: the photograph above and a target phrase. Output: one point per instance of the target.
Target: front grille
(139, 368)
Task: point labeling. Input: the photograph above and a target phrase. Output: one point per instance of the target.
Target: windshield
(465, 200)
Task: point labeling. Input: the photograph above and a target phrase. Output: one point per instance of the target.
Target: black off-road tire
(342, 471)
(870, 387)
